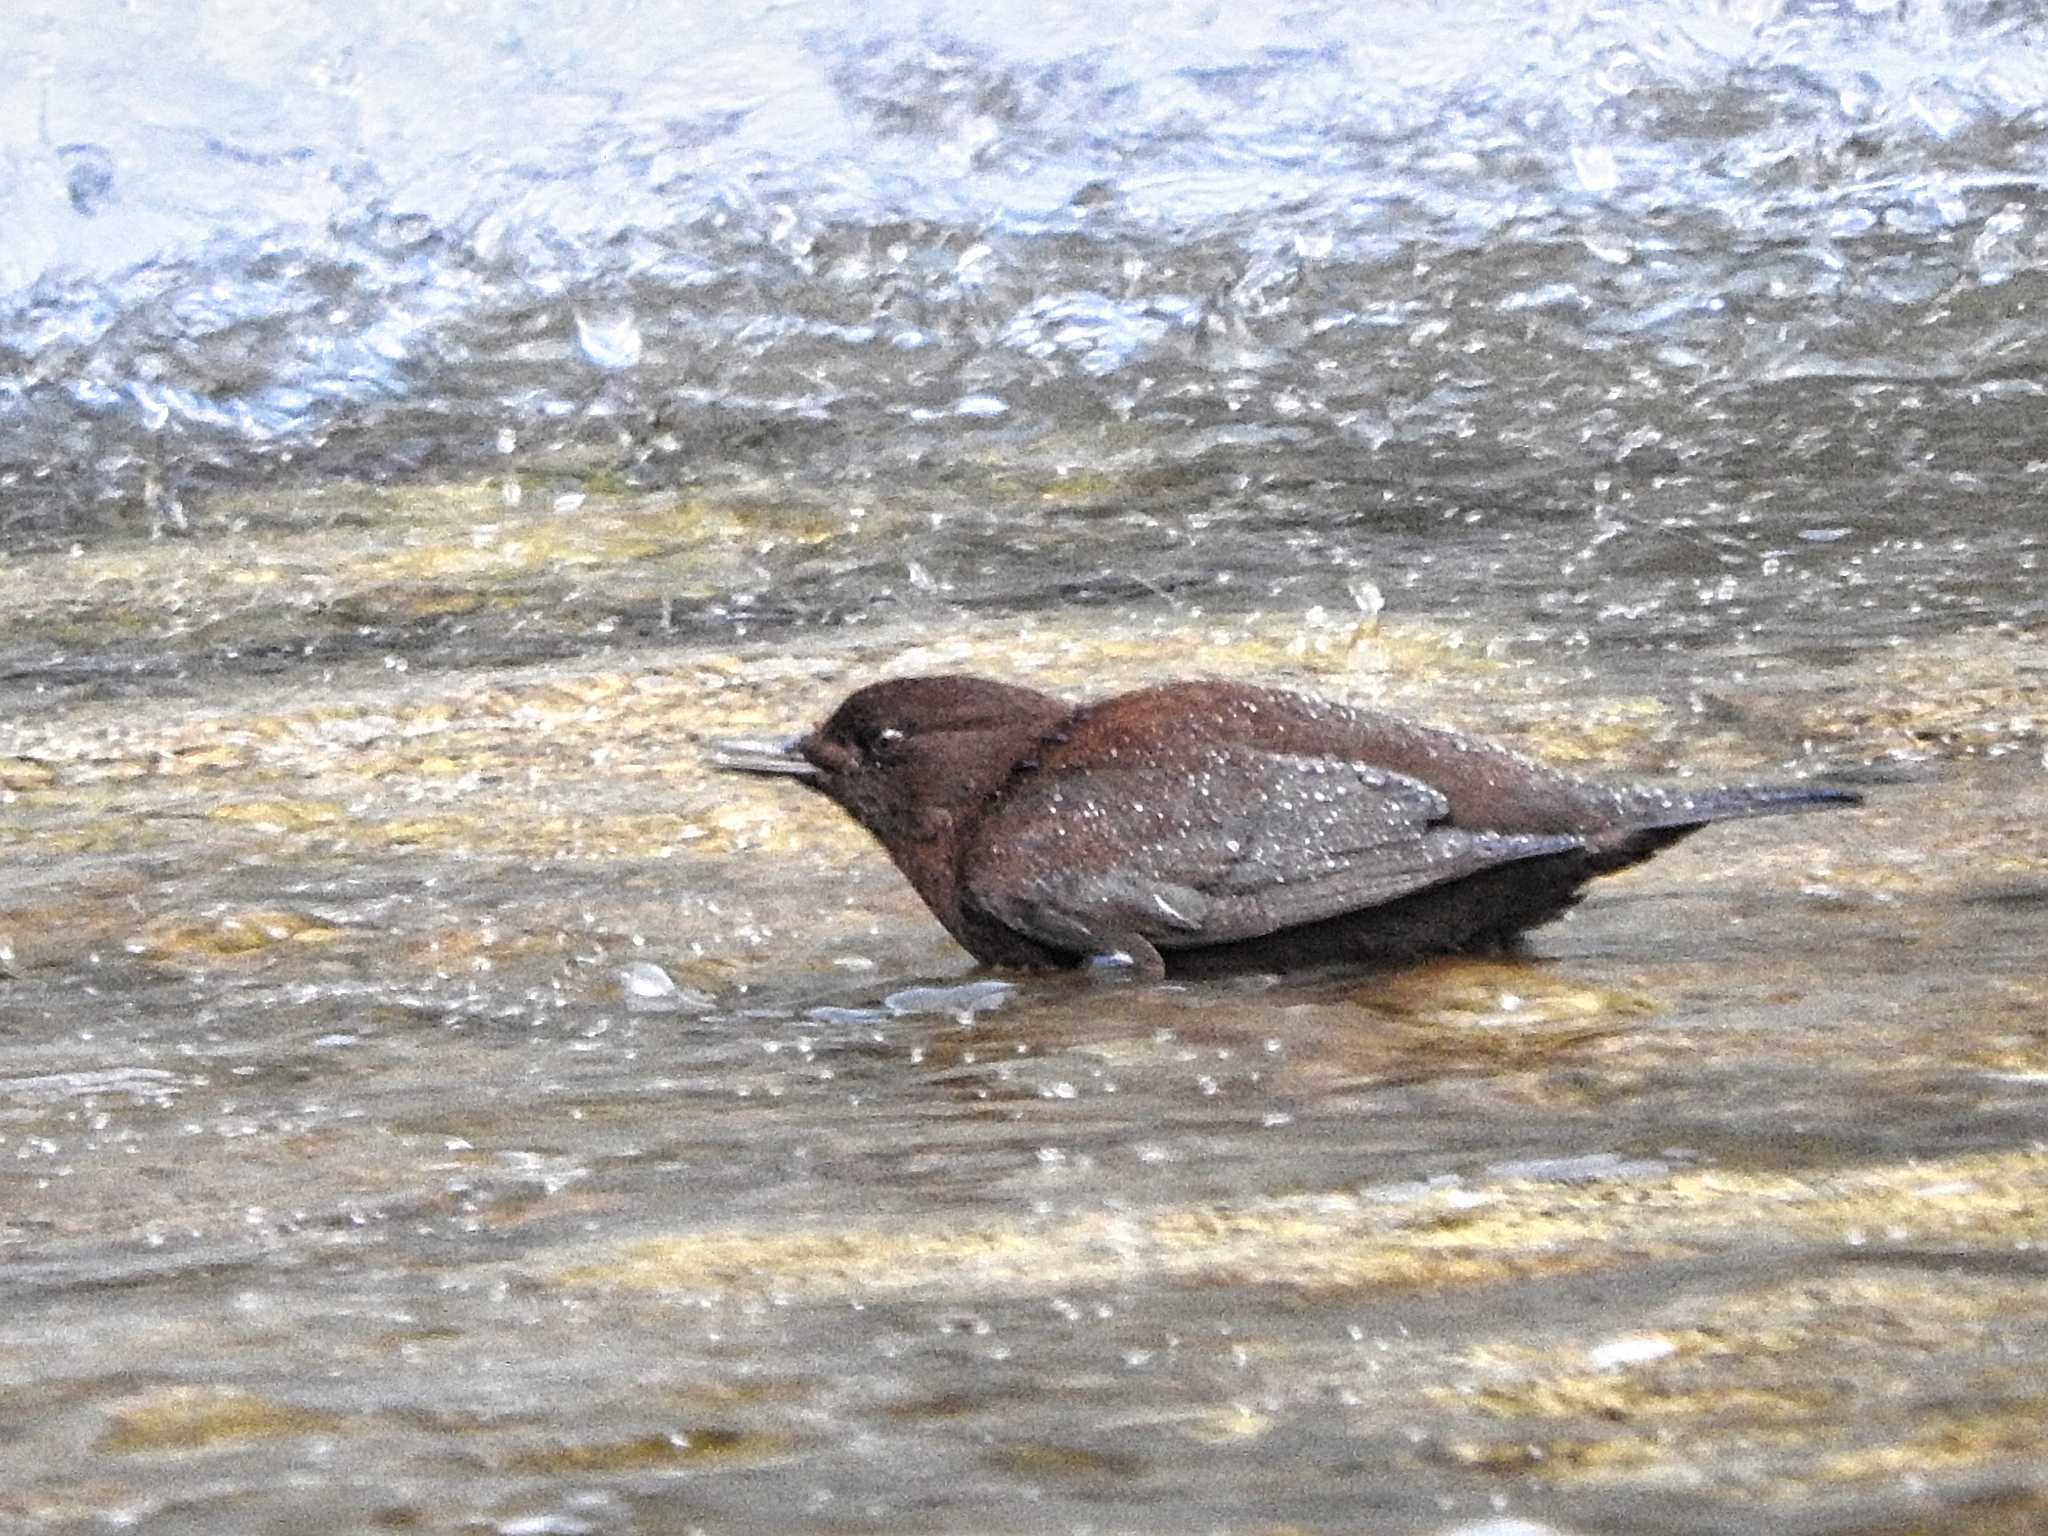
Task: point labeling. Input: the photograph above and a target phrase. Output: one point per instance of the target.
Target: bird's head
(913, 758)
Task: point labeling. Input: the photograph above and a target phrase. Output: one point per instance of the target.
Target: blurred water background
(1689, 241)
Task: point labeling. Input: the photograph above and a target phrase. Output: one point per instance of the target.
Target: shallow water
(436, 1101)
(432, 1100)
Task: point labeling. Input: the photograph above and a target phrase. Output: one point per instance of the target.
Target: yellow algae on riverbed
(1469, 1234)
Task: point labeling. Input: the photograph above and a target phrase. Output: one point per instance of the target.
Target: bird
(1205, 827)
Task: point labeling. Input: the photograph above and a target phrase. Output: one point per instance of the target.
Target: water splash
(368, 237)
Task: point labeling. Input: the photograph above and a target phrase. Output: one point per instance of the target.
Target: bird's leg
(1089, 917)
(1133, 960)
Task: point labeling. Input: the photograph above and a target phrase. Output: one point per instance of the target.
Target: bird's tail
(1654, 817)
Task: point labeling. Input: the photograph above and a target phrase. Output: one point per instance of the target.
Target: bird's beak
(739, 755)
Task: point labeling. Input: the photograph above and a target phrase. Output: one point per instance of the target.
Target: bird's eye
(884, 742)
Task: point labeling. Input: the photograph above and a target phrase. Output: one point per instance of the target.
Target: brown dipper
(1207, 826)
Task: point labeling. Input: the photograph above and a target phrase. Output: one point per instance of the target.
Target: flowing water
(431, 1100)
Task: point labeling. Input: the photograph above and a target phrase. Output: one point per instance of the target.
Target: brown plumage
(1206, 826)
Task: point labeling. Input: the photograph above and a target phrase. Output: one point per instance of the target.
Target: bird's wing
(1228, 841)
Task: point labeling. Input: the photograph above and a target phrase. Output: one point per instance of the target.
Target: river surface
(432, 1100)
